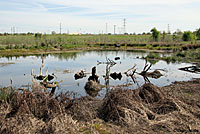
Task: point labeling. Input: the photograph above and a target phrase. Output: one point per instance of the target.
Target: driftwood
(94, 76)
(131, 69)
(155, 74)
(45, 79)
(50, 84)
(79, 75)
(117, 58)
(145, 69)
(192, 69)
(131, 74)
(108, 61)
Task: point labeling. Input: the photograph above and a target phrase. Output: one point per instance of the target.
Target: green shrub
(181, 54)
(188, 36)
(155, 34)
(2, 48)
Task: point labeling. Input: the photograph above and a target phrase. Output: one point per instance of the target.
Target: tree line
(186, 35)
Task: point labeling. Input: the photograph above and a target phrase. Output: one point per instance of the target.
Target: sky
(92, 16)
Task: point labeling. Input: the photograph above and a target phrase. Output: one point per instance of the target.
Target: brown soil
(149, 109)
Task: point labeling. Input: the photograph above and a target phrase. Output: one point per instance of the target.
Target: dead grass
(149, 109)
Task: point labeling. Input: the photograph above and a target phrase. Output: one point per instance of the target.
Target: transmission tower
(114, 28)
(106, 28)
(124, 25)
(168, 27)
(60, 28)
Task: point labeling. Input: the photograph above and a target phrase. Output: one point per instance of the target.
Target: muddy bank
(16, 52)
(149, 109)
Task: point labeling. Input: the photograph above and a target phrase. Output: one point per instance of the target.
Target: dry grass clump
(84, 108)
(140, 110)
(150, 93)
(37, 103)
(35, 112)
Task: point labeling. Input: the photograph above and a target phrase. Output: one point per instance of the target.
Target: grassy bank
(191, 55)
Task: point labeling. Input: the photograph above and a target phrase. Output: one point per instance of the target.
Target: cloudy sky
(91, 16)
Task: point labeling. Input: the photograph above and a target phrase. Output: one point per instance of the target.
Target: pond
(65, 65)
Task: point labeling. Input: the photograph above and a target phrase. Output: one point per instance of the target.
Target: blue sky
(91, 16)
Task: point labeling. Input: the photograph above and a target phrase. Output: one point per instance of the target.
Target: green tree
(53, 33)
(197, 32)
(188, 36)
(174, 37)
(38, 35)
(155, 34)
(164, 34)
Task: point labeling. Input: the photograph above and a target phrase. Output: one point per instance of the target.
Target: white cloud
(91, 15)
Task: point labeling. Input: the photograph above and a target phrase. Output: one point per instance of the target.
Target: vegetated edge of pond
(15, 52)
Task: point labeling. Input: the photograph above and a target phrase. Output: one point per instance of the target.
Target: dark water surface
(65, 65)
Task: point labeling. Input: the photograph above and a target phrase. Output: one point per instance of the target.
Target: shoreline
(18, 52)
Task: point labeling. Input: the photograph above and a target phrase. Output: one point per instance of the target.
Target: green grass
(6, 93)
(153, 56)
(32, 43)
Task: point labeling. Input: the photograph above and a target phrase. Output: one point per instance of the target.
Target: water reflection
(76, 61)
(45, 81)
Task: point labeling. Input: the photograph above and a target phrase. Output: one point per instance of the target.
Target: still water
(65, 65)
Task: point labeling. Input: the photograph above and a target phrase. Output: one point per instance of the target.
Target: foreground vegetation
(149, 109)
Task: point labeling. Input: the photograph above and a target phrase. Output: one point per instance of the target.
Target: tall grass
(31, 41)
